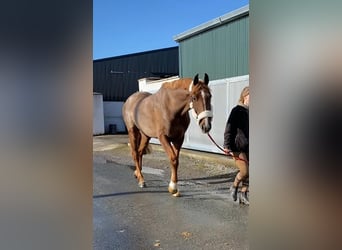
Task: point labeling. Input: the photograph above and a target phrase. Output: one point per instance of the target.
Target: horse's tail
(147, 150)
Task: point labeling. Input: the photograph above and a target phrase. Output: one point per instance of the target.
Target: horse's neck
(177, 100)
(183, 83)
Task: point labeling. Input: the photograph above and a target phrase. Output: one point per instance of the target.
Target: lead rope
(219, 147)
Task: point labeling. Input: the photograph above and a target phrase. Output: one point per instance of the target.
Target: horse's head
(201, 102)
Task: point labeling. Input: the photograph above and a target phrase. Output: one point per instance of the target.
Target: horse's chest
(178, 126)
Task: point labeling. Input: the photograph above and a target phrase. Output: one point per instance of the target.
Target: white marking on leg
(173, 185)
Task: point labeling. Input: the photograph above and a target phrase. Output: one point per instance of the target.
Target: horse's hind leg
(135, 140)
(143, 143)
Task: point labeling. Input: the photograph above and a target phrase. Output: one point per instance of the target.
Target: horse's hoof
(172, 191)
(177, 194)
(142, 184)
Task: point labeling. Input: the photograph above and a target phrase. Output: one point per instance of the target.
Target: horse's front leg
(173, 153)
(176, 146)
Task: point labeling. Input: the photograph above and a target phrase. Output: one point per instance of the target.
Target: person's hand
(228, 152)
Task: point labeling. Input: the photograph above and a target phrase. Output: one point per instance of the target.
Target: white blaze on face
(203, 97)
(205, 105)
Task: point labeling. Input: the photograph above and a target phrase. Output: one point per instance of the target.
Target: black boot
(233, 192)
(243, 198)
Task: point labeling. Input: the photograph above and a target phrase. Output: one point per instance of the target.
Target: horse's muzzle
(205, 124)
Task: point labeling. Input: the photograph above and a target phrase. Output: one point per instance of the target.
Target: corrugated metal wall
(116, 78)
(221, 52)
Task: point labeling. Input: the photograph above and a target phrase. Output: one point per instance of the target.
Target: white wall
(98, 119)
(113, 115)
(151, 85)
(225, 95)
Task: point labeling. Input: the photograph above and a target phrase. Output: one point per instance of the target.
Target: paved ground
(193, 164)
(128, 217)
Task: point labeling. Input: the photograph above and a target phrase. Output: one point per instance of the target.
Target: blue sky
(122, 27)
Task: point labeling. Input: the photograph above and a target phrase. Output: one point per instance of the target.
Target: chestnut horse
(164, 115)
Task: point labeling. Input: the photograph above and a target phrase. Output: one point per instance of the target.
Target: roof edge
(135, 54)
(213, 23)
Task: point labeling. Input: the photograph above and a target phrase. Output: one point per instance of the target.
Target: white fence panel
(98, 119)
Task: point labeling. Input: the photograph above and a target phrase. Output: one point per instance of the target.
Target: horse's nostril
(206, 128)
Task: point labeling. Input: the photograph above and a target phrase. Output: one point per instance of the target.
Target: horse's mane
(182, 83)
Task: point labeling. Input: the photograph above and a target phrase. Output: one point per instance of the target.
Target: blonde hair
(244, 93)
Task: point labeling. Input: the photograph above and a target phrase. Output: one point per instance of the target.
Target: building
(219, 47)
(116, 78)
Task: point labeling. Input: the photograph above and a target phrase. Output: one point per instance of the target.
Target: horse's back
(161, 113)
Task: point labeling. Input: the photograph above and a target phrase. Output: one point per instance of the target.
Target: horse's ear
(195, 81)
(206, 79)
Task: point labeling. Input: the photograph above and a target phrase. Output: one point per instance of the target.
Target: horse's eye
(193, 98)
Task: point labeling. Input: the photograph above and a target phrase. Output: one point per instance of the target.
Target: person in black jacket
(236, 144)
